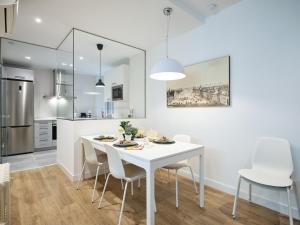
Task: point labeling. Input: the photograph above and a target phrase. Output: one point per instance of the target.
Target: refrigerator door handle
(20, 126)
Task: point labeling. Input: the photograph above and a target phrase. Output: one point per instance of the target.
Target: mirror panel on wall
(122, 73)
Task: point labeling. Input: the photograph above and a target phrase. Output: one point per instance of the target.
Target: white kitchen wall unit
(17, 73)
(118, 76)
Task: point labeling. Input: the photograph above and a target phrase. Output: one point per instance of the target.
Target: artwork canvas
(206, 84)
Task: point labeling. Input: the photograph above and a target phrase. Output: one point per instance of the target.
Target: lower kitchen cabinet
(43, 137)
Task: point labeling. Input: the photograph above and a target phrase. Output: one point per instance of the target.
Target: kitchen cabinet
(43, 137)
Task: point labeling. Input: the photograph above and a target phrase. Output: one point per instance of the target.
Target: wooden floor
(45, 196)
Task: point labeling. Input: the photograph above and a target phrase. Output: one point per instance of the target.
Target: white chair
(92, 159)
(118, 170)
(272, 167)
(182, 164)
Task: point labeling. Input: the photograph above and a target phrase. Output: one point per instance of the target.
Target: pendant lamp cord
(100, 65)
(167, 35)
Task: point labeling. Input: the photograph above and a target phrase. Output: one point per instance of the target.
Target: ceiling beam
(188, 9)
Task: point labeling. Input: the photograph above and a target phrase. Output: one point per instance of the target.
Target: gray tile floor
(31, 160)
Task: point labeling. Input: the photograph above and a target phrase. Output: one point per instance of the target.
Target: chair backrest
(89, 152)
(115, 163)
(273, 155)
(183, 138)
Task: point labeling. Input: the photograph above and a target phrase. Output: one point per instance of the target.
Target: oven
(54, 132)
(117, 92)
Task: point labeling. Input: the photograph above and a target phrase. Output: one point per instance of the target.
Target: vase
(128, 137)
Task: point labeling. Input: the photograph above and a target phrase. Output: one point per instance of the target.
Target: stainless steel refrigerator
(17, 116)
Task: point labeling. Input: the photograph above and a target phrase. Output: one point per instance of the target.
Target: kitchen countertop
(45, 119)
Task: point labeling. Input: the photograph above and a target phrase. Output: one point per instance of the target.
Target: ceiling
(140, 23)
(86, 55)
(137, 22)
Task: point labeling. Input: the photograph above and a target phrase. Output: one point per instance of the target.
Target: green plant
(125, 124)
(128, 130)
(134, 131)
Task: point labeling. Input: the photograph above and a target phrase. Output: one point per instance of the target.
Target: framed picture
(117, 92)
(206, 84)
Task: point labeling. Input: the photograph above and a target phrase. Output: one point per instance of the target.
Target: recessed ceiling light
(38, 20)
(63, 64)
(71, 65)
(81, 57)
(27, 57)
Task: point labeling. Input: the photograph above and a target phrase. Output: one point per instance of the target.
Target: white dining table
(155, 156)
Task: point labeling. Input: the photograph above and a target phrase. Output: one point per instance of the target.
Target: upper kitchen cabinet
(109, 78)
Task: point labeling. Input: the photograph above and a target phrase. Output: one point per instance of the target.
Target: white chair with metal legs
(92, 159)
(127, 172)
(180, 165)
(272, 167)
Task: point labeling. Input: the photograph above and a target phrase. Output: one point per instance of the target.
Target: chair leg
(288, 189)
(250, 192)
(195, 185)
(132, 188)
(105, 176)
(96, 179)
(122, 206)
(81, 175)
(155, 208)
(104, 189)
(176, 189)
(122, 184)
(236, 198)
(139, 183)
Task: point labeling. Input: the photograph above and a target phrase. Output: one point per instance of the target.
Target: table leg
(150, 197)
(201, 180)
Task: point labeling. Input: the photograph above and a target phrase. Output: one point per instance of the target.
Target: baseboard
(72, 177)
(257, 199)
(66, 172)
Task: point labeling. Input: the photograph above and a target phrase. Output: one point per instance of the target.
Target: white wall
(43, 85)
(137, 85)
(84, 102)
(262, 39)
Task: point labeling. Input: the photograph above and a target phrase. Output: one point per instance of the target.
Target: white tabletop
(151, 151)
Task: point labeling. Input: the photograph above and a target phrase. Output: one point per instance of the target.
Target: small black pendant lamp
(100, 82)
